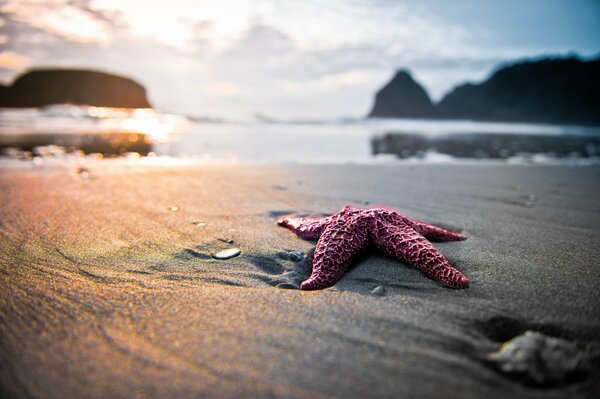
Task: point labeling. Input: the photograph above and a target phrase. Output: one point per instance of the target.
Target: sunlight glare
(59, 18)
(178, 24)
(146, 121)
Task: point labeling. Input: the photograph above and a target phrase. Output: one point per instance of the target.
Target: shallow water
(258, 141)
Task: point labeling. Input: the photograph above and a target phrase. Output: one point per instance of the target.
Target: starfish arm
(412, 248)
(312, 228)
(429, 231)
(307, 228)
(338, 245)
(437, 234)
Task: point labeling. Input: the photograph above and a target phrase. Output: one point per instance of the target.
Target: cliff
(546, 91)
(42, 87)
(552, 90)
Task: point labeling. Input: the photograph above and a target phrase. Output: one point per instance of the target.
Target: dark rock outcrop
(563, 90)
(38, 88)
(402, 97)
(552, 90)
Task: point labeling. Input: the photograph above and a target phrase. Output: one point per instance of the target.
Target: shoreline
(111, 289)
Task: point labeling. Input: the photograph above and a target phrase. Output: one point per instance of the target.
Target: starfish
(346, 234)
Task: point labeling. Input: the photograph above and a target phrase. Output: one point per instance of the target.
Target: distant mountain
(563, 90)
(402, 97)
(41, 87)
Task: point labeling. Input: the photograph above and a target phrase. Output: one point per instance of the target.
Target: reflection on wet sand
(486, 145)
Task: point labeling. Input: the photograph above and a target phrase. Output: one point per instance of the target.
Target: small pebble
(84, 173)
(378, 291)
(227, 253)
(226, 240)
(174, 208)
(199, 224)
(296, 256)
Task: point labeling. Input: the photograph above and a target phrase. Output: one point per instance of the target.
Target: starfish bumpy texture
(346, 234)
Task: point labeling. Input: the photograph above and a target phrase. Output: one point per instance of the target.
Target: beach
(109, 287)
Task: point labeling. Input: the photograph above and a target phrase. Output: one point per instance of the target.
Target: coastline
(111, 289)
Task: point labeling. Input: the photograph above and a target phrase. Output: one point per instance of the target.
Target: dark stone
(538, 359)
(41, 87)
(296, 256)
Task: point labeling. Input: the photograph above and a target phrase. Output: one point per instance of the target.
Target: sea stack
(402, 97)
(41, 87)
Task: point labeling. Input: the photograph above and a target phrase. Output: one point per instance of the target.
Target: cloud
(224, 89)
(346, 79)
(176, 23)
(12, 60)
(73, 22)
(285, 58)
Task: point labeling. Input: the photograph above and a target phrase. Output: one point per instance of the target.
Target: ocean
(26, 133)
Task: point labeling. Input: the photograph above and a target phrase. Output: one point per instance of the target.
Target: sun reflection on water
(146, 121)
(157, 126)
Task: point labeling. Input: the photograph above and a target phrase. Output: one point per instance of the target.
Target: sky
(289, 59)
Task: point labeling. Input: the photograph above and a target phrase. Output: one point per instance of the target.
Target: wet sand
(109, 287)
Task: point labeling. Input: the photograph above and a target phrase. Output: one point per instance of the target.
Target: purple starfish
(344, 235)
